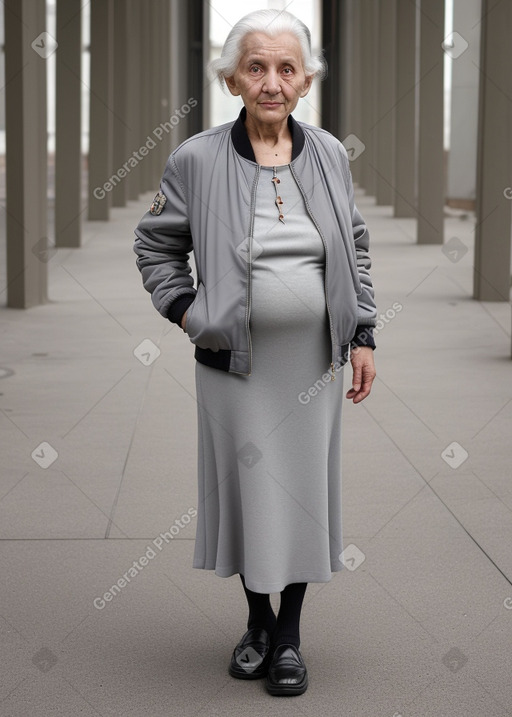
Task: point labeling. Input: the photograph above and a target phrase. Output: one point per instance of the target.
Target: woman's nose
(271, 84)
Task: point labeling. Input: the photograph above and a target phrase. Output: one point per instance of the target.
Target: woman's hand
(363, 367)
(184, 321)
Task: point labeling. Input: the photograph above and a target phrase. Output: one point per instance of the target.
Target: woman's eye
(254, 69)
(287, 70)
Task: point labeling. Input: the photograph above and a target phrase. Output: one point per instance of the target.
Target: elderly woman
(283, 300)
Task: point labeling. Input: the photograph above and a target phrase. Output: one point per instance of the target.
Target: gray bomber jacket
(206, 204)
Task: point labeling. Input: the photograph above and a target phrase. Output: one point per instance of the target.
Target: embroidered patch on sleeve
(158, 203)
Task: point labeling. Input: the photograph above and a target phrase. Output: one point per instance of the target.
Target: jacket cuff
(363, 336)
(178, 308)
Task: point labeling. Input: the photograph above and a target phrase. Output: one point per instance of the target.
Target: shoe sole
(243, 675)
(287, 690)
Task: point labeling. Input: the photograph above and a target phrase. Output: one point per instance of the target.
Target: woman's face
(270, 77)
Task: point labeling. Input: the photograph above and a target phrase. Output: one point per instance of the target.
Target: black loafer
(287, 674)
(250, 657)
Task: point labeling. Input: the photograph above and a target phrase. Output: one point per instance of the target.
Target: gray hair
(271, 23)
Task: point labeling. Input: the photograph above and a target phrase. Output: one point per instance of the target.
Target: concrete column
(386, 99)
(430, 151)
(101, 109)
(461, 190)
(369, 40)
(187, 68)
(146, 114)
(405, 111)
(494, 173)
(27, 47)
(205, 99)
(345, 89)
(355, 103)
(120, 102)
(133, 92)
(179, 79)
(68, 153)
(196, 74)
(154, 81)
(165, 109)
(331, 87)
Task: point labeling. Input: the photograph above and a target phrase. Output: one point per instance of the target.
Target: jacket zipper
(249, 267)
(329, 313)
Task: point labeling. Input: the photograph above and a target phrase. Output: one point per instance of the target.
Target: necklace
(278, 200)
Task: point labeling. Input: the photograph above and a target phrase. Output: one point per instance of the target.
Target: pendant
(278, 200)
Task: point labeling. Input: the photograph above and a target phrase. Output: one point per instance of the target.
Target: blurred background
(97, 391)
(419, 92)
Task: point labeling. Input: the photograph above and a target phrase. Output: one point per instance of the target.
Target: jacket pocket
(196, 313)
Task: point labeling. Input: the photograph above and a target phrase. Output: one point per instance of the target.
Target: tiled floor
(422, 622)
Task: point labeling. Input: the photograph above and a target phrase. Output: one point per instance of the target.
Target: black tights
(284, 628)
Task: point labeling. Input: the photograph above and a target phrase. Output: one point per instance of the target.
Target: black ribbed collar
(243, 146)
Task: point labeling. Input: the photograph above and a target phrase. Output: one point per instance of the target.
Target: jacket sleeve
(366, 308)
(163, 244)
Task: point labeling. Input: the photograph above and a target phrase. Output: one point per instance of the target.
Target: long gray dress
(269, 465)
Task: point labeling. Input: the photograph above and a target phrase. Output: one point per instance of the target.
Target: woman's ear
(232, 86)
(307, 85)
